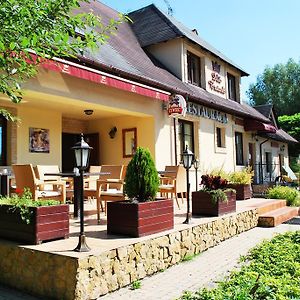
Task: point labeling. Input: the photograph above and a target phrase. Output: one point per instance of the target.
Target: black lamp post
(196, 166)
(82, 154)
(187, 157)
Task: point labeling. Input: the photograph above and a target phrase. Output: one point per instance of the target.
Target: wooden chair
(26, 178)
(110, 186)
(173, 181)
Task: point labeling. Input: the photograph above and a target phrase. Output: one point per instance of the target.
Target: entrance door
(68, 157)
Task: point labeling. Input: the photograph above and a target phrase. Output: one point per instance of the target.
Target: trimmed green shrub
(291, 195)
(141, 180)
(241, 177)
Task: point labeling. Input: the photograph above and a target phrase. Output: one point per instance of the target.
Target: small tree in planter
(241, 182)
(143, 213)
(215, 198)
(32, 221)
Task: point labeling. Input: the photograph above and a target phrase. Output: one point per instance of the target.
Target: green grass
(272, 272)
(136, 285)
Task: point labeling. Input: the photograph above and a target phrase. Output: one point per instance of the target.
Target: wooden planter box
(202, 204)
(47, 223)
(140, 219)
(243, 191)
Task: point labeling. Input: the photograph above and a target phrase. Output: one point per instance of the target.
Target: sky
(252, 33)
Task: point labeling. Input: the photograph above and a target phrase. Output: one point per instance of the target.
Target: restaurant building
(119, 97)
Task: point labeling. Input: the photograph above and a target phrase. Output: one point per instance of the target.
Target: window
(193, 64)
(239, 148)
(186, 135)
(3, 141)
(268, 162)
(231, 87)
(220, 137)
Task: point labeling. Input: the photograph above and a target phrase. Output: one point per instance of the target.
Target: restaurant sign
(177, 106)
(202, 111)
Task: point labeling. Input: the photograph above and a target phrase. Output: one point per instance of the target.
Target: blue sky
(253, 33)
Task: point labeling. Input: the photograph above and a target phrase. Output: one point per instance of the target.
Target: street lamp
(82, 154)
(187, 157)
(196, 166)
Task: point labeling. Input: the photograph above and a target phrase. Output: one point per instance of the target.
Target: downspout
(261, 161)
(175, 140)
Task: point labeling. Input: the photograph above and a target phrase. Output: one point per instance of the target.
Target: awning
(83, 72)
(289, 172)
(253, 125)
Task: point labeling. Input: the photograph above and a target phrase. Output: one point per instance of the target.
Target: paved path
(202, 271)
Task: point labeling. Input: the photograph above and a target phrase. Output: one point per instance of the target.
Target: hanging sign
(177, 106)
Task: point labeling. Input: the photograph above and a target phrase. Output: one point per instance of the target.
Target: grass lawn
(270, 271)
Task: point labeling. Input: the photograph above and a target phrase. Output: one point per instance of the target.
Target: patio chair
(49, 180)
(26, 178)
(110, 186)
(173, 182)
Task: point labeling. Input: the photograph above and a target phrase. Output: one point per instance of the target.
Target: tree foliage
(50, 28)
(278, 85)
(141, 180)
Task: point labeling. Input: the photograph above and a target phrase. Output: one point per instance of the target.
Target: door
(68, 157)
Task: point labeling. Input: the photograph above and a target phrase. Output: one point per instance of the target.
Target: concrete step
(270, 205)
(276, 217)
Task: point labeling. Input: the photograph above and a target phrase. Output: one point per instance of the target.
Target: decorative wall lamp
(187, 157)
(82, 155)
(282, 148)
(112, 132)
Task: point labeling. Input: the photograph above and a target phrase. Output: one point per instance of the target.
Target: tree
(50, 28)
(280, 86)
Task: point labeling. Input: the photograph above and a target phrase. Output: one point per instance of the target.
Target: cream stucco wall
(170, 54)
(37, 118)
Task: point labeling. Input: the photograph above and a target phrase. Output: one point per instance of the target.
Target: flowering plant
(216, 186)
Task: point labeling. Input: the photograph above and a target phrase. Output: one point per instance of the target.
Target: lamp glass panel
(78, 157)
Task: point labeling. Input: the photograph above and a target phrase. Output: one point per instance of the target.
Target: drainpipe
(175, 140)
(261, 162)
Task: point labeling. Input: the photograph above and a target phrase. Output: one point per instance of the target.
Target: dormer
(185, 54)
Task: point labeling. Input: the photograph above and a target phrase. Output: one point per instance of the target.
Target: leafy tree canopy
(279, 85)
(51, 29)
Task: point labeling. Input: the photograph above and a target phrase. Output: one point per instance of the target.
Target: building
(118, 97)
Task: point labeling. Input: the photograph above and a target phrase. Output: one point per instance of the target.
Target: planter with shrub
(241, 182)
(143, 213)
(25, 220)
(215, 198)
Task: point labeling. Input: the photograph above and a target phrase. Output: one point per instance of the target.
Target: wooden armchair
(110, 186)
(173, 182)
(26, 178)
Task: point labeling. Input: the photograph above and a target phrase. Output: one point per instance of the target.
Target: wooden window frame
(193, 67)
(182, 135)
(231, 79)
(125, 131)
(239, 160)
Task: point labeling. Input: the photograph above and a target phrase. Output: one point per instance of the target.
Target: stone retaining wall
(61, 277)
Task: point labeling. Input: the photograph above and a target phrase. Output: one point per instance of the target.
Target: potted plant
(215, 198)
(241, 182)
(143, 213)
(31, 221)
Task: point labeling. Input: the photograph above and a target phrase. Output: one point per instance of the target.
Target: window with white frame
(194, 69)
